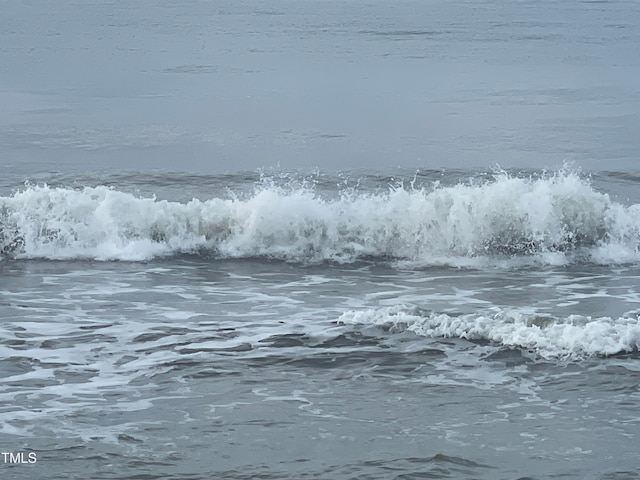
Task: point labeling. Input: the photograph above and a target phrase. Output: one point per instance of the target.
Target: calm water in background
(228, 86)
(378, 301)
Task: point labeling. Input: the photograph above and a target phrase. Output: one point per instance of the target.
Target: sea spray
(552, 218)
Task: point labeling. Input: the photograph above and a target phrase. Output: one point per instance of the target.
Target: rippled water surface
(195, 366)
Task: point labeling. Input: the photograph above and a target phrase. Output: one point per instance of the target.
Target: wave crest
(548, 218)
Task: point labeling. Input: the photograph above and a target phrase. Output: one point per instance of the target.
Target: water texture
(319, 239)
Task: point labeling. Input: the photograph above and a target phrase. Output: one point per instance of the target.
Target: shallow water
(244, 363)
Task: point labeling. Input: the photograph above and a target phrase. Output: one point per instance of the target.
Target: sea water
(319, 239)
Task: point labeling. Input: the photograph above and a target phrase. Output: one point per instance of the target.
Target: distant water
(226, 86)
(378, 299)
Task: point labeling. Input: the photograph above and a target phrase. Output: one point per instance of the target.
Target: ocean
(329, 239)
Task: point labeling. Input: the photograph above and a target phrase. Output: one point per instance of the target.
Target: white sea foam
(575, 336)
(552, 220)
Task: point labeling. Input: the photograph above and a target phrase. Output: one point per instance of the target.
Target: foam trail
(555, 219)
(572, 337)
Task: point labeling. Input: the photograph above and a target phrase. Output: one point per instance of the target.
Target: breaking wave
(559, 218)
(573, 337)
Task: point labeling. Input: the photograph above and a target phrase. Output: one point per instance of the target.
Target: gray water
(269, 239)
(228, 86)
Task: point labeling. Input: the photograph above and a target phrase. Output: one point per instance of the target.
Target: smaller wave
(573, 337)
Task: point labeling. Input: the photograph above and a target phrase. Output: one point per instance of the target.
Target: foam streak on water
(573, 337)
